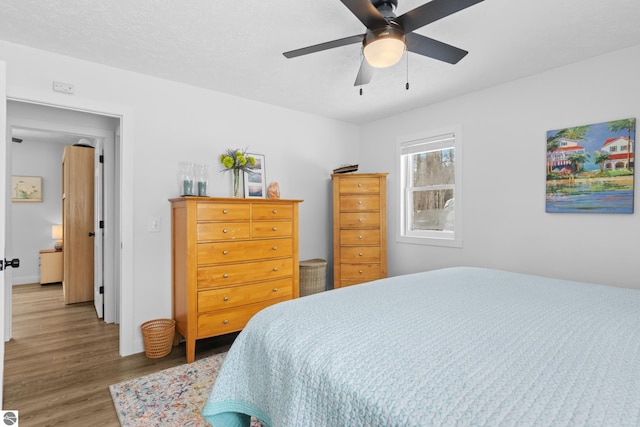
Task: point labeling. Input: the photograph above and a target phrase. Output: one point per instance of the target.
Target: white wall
(173, 122)
(31, 222)
(504, 144)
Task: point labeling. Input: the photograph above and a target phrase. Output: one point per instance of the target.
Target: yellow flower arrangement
(237, 159)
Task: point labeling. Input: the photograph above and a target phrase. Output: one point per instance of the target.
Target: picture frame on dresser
(255, 181)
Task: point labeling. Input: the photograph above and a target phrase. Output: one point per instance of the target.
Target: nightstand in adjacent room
(50, 266)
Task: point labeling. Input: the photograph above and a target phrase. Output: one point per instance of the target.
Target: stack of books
(346, 169)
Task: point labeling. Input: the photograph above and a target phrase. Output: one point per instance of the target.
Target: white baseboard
(25, 280)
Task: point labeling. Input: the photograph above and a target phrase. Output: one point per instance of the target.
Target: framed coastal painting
(255, 181)
(590, 168)
(26, 188)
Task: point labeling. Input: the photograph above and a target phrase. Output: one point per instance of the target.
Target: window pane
(433, 210)
(433, 168)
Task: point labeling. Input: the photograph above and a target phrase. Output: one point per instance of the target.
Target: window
(430, 189)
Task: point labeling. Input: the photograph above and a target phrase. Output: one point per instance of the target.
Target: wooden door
(77, 221)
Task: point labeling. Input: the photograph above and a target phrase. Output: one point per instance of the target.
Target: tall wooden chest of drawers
(359, 228)
(231, 258)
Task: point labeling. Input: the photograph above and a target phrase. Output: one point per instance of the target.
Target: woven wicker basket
(313, 274)
(158, 337)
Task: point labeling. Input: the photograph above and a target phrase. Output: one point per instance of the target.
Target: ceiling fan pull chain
(407, 85)
(361, 64)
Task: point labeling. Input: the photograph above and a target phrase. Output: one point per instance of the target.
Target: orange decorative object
(274, 191)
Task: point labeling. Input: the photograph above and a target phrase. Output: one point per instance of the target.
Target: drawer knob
(275, 228)
(360, 219)
(359, 185)
(275, 211)
(359, 202)
(225, 252)
(226, 298)
(360, 271)
(275, 289)
(225, 211)
(225, 231)
(360, 254)
(360, 237)
(225, 275)
(275, 268)
(275, 248)
(225, 321)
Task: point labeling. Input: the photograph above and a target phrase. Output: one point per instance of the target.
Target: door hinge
(101, 289)
(101, 158)
(101, 224)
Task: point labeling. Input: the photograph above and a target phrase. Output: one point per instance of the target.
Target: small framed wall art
(255, 180)
(26, 188)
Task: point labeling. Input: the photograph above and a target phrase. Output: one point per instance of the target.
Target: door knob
(91, 234)
(15, 263)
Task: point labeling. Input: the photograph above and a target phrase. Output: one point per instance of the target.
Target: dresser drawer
(360, 237)
(223, 211)
(360, 185)
(360, 271)
(359, 203)
(272, 211)
(225, 321)
(360, 254)
(359, 219)
(234, 251)
(234, 274)
(271, 229)
(352, 282)
(223, 231)
(224, 298)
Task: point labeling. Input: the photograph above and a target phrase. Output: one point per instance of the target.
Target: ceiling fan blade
(433, 48)
(365, 74)
(324, 46)
(366, 13)
(431, 12)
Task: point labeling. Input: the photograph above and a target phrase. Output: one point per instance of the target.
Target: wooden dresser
(359, 228)
(50, 266)
(231, 259)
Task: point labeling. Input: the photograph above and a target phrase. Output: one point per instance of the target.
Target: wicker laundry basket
(158, 337)
(313, 273)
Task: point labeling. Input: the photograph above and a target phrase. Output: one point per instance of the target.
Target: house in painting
(620, 152)
(559, 159)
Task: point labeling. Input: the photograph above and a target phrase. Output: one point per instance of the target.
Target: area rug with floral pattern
(172, 397)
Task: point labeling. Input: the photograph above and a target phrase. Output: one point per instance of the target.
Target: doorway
(48, 129)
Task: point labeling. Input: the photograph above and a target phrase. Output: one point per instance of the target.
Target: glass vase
(185, 179)
(236, 183)
(202, 178)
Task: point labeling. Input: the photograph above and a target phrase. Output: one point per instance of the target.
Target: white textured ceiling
(236, 46)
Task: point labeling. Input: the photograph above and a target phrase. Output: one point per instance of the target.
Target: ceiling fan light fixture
(384, 48)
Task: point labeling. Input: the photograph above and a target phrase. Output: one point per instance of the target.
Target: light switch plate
(154, 224)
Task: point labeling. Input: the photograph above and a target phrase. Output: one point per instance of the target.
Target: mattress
(461, 346)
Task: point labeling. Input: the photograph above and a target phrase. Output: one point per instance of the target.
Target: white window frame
(431, 140)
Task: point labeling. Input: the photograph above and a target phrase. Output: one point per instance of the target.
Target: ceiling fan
(388, 35)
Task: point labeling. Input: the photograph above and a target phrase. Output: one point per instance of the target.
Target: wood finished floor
(61, 360)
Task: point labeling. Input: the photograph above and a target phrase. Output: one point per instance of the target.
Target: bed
(452, 347)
